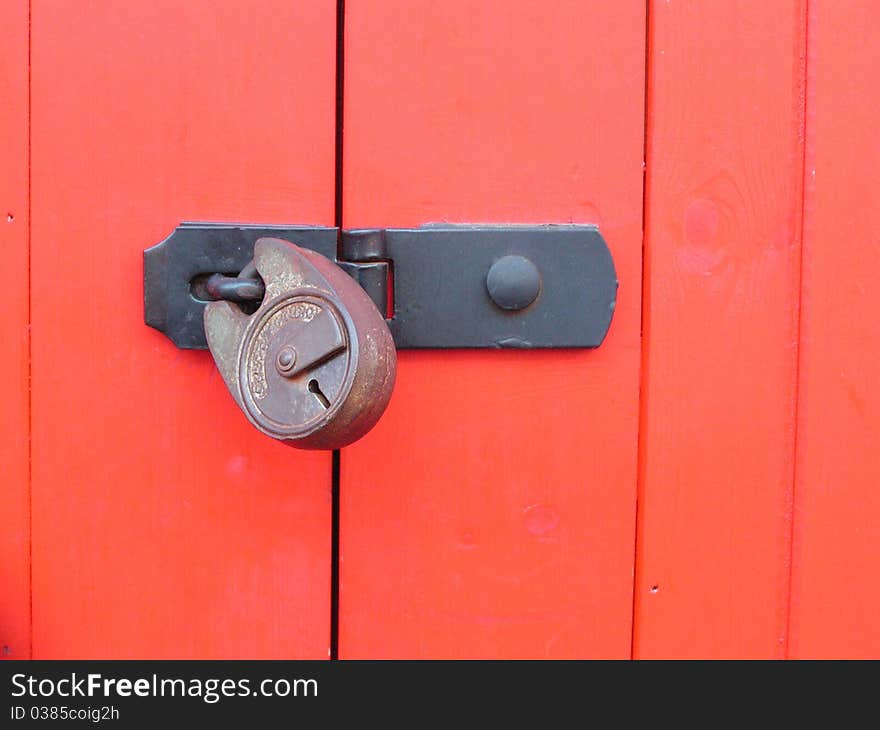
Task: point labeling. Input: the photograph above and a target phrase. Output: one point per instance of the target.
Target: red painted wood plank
(164, 525)
(491, 512)
(15, 620)
(836, 565)
(725, 122)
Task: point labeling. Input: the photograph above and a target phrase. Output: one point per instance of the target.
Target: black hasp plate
(439, 271)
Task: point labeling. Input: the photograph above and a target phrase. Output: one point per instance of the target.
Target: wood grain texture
(164, 524)
(15, 620)
(725, 154)
(836, 566)
(491, 512)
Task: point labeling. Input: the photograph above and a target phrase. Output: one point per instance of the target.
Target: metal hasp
(439, 286)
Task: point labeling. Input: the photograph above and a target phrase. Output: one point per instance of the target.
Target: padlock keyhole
(315, 387)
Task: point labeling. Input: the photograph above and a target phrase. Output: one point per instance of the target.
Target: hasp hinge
(362, 254)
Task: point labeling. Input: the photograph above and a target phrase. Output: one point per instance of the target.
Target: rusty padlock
(314, 365)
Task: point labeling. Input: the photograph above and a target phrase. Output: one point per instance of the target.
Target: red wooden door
(164, 525)
(758, 508)
(492, 511)
(15, 621)
(836, 545)
(724, 159)
(702, 485)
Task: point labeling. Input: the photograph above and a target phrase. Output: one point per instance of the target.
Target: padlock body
(315, 365)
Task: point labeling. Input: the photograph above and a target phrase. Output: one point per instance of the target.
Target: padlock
(314, 365)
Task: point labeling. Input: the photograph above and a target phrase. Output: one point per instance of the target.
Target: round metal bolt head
(285, 360)
(513, 282)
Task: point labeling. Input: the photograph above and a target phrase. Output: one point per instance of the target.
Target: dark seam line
(806, 130)
(337, 455)
(640, 437)
(334, 558)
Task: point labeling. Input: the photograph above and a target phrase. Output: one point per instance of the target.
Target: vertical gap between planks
(807, 164)
(644, 330)
(340, 100)
(336, 467)
(334, 557)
